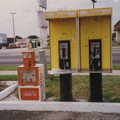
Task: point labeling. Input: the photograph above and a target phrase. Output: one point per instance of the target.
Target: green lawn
(80, 87)
(11, 68)
(7, 68)
(116, 67)
(8, 77)
(115, 44)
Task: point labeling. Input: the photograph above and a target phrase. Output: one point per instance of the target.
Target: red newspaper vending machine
(31, 78)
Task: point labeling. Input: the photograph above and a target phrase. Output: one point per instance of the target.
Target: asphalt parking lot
(49, 115)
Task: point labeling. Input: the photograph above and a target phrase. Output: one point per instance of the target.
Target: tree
(113, 36)
(48, 40)
(32, 37)
(18, 37)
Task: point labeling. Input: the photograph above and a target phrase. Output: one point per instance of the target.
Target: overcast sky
(26, 13)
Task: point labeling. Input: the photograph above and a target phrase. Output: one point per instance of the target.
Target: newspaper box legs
(31, 78)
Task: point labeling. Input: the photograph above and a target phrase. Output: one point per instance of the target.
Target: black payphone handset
(64, 54)
(95, 57)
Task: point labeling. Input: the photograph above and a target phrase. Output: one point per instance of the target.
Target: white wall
(118, 36)
(3, 38)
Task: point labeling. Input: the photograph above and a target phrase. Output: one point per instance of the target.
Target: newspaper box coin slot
(28, 59)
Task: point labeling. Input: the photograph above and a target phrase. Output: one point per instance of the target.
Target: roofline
(117, 22)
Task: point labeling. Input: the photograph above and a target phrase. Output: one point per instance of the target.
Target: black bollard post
(66, 87)
(95, 87)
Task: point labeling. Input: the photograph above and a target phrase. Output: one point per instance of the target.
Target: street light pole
(94, 1)
(13, 25)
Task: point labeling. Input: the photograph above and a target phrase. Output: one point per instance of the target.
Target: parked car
(3, 47)
(22, 45)
(12, 45)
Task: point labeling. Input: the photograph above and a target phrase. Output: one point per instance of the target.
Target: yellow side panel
(84, 43)
(95, 28)
(61, 30)
(106, 42)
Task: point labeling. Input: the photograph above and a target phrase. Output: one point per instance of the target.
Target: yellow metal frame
(95, 12)
(79, 30)
(60, 14)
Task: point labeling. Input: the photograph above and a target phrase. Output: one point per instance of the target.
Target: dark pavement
(41, 115)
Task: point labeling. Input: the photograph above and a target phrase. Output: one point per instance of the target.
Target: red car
(12, 45)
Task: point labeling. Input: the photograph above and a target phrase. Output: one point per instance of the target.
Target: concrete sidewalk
(114, 72)
(8, 72)
(60, 106)
(36, 110)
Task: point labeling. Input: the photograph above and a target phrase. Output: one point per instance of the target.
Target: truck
(4, 42)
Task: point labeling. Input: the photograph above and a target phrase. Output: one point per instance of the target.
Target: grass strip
(116, 67)
(8, 68)
(8, 77)
(14, 68)
(115, 44)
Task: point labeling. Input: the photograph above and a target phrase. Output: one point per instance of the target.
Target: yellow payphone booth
(95, 39)
(63, 42)
(80, 40)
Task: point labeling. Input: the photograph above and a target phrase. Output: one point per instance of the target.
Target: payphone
(64, 54)
(95, 57)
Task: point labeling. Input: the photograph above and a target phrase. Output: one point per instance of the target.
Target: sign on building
(42, 3)
(3, 38)
(41, 20)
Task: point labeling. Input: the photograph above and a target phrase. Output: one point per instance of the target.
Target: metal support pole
(42, 59)
(95, 87)
(13, 25)
(78, 41)
(93, 5)
(66, 87)
(94, 1)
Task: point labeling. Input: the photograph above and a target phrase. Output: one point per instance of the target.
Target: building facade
(3, 38)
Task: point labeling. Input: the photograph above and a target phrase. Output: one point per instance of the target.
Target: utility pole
(13, 25)
(94, 1)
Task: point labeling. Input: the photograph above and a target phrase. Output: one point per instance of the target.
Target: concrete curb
(114, 72)
(8, 91)
(8, 72)
(61, 106)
